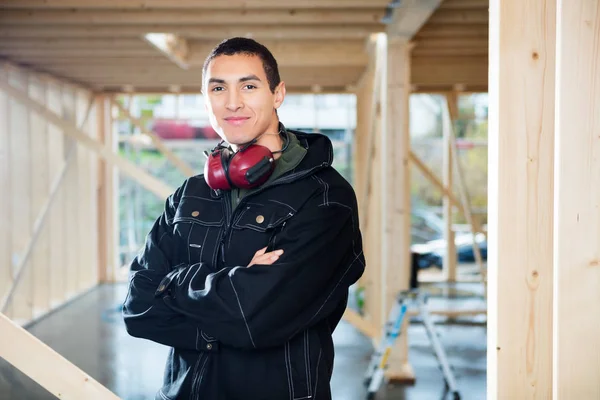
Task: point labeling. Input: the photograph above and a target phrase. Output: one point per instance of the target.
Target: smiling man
(245, 274)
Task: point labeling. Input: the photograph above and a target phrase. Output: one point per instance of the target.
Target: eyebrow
(243, 79)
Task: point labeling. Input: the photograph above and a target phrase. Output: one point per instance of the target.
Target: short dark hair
(250, 47)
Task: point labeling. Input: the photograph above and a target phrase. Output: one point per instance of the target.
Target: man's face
(240, 104)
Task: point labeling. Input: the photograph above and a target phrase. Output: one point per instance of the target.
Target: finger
(260, 252)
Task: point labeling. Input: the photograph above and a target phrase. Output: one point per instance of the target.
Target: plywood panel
(40, 188)
(20, 192)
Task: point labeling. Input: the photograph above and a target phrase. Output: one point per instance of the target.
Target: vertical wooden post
(395, 146)
(450, 255)
(577, 202)
(20, 191)
(105, 195)
(40, 267)
(521, 145)
(5, 201)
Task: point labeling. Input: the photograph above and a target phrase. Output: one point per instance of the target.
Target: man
(247, 285)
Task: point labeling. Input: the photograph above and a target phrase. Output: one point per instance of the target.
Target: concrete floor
(89, 332)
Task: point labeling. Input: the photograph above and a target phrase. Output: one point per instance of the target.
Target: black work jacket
(262, 332)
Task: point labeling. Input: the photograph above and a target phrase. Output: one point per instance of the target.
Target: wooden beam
(72, 43)
(145, 179)
(396, 219)
(465, 4)
(46, 367)
(435, 71)
(450, 256)
(205, 32)
(520, 198)
(430, 175)
(363, 326)
(314, 53)
(180, 164)
(459, 17)
(576, 345)
(212, 17)
(450, 42)
(173, 46)
(190, 4)
(410, 16)
(453, 31)
(5, 201)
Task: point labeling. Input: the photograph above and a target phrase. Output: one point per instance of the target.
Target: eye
(249, 86)
(217, 89)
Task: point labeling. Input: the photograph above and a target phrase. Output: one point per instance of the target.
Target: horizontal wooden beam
(46, 367)
(212, 17)
(150, 89)
(450, 31)
(205, 32)
(465, 4)
(450, 42)
(189, 4)
(89, 52)
(73, 43)
(299, 53)
(436, 71)
(449, 52)
(459, 17)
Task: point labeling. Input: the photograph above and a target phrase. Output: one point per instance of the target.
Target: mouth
(236, 121)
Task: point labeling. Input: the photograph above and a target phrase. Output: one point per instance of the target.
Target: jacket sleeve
(146, 316)
(263, 306)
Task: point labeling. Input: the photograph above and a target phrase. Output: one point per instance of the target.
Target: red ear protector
(246, 168)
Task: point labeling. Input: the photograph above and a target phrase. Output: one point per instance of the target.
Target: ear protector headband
(248, 167)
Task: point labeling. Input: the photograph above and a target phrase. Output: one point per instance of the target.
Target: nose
(234, 101)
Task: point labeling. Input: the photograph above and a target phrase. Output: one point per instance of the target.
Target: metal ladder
(375, 374)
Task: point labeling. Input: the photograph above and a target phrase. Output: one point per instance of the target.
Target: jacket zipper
(227, 198)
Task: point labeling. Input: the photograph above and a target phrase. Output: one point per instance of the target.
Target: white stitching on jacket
(240, 304)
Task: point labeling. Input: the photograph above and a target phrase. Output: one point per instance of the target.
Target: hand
(262, 258)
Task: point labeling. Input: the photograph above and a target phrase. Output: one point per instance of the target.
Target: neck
(271, 139)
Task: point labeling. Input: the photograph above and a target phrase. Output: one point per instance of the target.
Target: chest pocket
(255, 227)
(199, 224)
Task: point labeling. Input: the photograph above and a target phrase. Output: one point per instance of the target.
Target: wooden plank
(88, 220)
(520, 199)
(450, 30)
(396, 194)
(577, 202)
(56, 157)
(435, 71)
(362, 325)
(71, 193)
(212, 17)
(40, 253)
(104, 190)
(314, 53)
(145, 179)
(72, 43)
(20, 191)
(179, 163)
(190, 4)
(459, 17)
(462, 189)
(465, 4)
(46, 367)
(449, 263)
(5, 201)
(206, 32)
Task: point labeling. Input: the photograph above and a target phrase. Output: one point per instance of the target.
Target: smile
(236, 121)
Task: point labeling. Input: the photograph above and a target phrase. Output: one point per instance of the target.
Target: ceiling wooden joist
(107, 43)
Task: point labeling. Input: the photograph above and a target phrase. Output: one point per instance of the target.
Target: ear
(279, 95)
